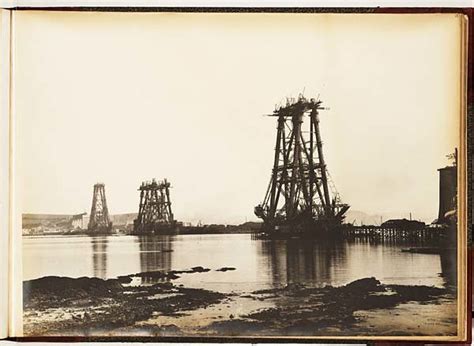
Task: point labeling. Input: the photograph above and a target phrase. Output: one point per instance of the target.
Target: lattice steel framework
(300, 190)
(154, 211)
(99, 218)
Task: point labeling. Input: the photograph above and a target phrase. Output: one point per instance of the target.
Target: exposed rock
(91, 303)
(304, 310)
(224, 269)
(199, 269)
(124, 279)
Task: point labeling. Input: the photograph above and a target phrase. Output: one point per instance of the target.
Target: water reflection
(99, 256)
(393, 241)
(155, 254)
(259, 264)
(309, 262)
(317, 263)
(449, 267)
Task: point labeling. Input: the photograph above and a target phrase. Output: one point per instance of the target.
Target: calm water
(259, 263)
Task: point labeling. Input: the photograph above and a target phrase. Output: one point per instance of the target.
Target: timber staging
(423, 233)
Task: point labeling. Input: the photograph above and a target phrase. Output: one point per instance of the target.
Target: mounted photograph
(229, 175)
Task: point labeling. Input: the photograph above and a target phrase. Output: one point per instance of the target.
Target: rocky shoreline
(92, 306)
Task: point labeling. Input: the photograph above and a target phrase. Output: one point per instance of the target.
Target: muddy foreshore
(92, 306)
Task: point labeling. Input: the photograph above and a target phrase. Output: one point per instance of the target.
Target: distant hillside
(34, 220)
(42, 219)
(123, 219)
(127, 218)
(45, 216)
(358, 217)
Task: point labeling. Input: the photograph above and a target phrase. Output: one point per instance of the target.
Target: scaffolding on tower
(301, 196)
(154, 213)
(99, 221)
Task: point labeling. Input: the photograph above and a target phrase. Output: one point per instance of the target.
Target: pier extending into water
(424, 233)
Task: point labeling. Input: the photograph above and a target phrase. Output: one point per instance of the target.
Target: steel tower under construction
(154, 213)
(99, 221)
(301, 196)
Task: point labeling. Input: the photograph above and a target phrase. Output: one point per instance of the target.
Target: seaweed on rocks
(224, 269)
(66, 306)
(89, 303)
(304, 310)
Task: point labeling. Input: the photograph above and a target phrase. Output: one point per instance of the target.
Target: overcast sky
(125, 97)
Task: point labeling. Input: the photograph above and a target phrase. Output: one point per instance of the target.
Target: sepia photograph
(231, 174)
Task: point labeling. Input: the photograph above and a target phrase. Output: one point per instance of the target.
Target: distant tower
(447, 190)
(99, 221)
(154, 213)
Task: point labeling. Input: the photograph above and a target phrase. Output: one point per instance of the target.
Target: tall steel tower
(300, 196)
(154, 213)
(99, 221)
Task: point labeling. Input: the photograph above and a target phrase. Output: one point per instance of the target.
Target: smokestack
(447, 191)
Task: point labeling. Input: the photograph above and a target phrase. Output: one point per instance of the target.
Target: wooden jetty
(423, 233)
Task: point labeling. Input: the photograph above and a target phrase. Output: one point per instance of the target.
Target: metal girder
(155, 206)
(99, 218)
(299, 184)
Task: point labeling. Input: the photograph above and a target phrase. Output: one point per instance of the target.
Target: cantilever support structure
(154, 211)
(300, 190)
(99, 221)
